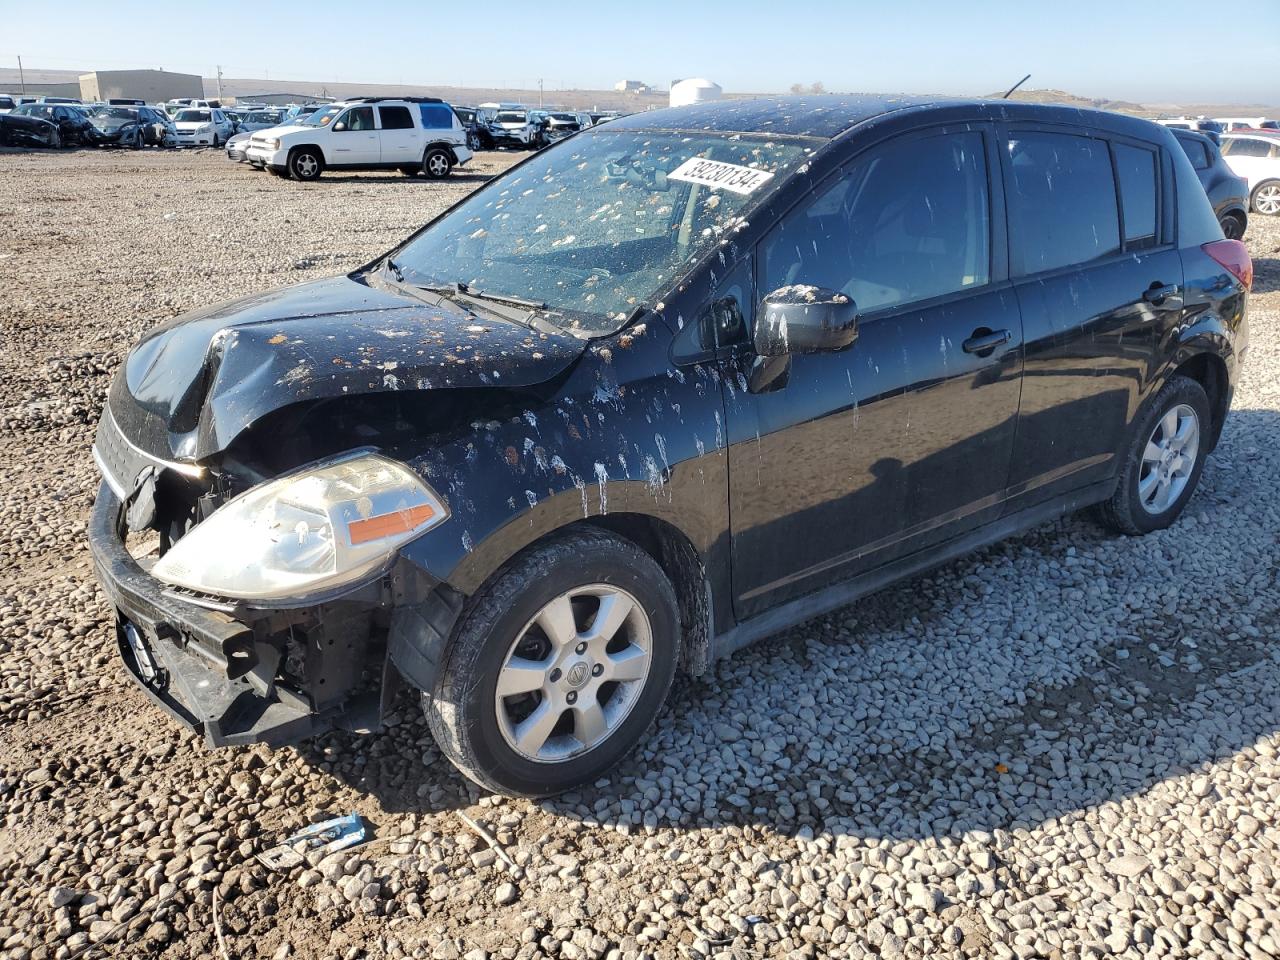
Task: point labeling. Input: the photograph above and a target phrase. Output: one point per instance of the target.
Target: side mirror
(804, 319)
(340, 125)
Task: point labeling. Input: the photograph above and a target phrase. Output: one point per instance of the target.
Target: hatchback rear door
(1099, 279)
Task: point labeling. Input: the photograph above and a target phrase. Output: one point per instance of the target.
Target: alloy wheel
(1169, 459)
(438, 165)
(306, 165)
(573, 673)
(1267, 199)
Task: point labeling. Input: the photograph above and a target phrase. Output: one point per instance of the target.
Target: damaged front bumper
(238, 674)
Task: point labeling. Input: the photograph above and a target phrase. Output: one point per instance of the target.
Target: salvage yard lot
(1063, 746)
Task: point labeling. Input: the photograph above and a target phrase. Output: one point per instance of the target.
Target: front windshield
(115, 113)
(35, 110)
(192, 116)
(602, 224)
(321, 117)
(263, 118)
(510, 116)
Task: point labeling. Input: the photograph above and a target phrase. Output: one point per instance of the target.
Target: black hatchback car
(1228, 193)
(73, 126)
(659, 391)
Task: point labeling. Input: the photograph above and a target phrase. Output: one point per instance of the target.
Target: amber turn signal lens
(387, 524)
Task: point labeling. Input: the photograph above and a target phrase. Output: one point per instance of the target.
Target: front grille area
(119, 461)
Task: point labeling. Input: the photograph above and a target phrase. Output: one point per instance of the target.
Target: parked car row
(49, 124)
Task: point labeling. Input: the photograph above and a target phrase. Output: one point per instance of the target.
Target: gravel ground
(1064, 746)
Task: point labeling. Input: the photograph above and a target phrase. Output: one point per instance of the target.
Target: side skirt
(805, 608)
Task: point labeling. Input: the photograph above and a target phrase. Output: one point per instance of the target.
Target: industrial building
(152, 86)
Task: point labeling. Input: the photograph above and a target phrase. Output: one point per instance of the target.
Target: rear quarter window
(1197, 153)
(1062, 200)
(436, 116)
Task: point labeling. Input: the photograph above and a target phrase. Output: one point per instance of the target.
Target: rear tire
(1163, 461)
(567, 721)
(437, 163)
(1265, 198)
(1233, 226)
(305, 165)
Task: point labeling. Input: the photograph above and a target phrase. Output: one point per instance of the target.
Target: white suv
(1256, 159)
(411, 134)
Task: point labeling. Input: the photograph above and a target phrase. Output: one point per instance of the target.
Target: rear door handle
(1166, 296)
(984, 341)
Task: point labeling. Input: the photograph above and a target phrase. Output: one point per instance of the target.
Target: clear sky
(1143, 50)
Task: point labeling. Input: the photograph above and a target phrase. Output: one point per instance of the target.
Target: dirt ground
(755, 823)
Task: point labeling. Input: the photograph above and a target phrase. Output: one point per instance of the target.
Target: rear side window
(910, 222)
(396, 118)
(436, 116)
(1062, 200)
(1197, 153)
(1246, 148)
(1136, 170)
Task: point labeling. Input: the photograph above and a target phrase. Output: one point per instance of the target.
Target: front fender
(613, 441)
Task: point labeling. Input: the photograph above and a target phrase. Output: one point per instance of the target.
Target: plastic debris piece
(327, 837)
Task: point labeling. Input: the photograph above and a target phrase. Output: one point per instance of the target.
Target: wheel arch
(664, 538)
(441, 145)
(293, 150)
(1210, 371)
(686, 569)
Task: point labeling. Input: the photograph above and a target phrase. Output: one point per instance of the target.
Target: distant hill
(1071, 100)
(598, 99)
(1139, 109)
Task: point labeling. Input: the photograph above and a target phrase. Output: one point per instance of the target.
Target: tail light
(1233, 256)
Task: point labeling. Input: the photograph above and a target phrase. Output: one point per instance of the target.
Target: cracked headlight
(319, 528)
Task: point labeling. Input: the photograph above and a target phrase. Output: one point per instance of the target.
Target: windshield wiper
(457, 287)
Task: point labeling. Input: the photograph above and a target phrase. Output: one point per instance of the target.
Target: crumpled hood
(195, 383)
(110, 124)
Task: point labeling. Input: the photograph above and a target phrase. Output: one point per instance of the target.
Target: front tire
(1163, 461)
(305, 165)
(437, 163)
(557, 666)
(1266, 198)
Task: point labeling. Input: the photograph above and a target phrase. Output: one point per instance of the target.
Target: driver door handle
(985, 341)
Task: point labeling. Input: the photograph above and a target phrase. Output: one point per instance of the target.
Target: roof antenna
(1015, 87)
